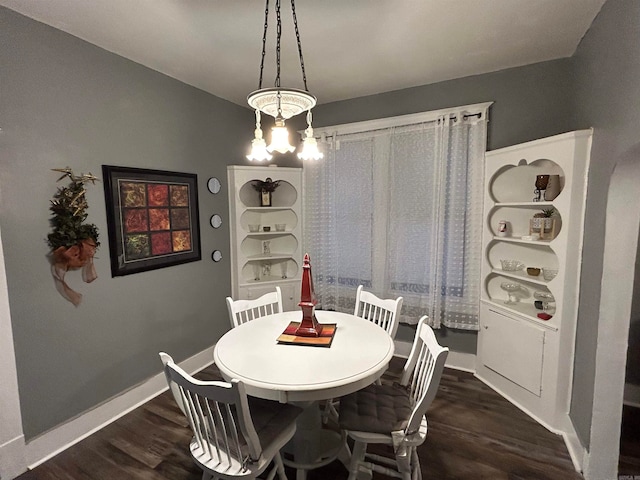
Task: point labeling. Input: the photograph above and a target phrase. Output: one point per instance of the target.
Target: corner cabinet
(265, 241)
(527, 316)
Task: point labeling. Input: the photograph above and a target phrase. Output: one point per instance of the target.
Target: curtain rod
(466, 111)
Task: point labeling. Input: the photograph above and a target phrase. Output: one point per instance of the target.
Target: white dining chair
(242, 311)
(384, 313)
(234, 436)
(367, 418)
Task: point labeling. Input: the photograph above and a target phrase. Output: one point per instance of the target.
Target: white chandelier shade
(259, 151)
(310, 144)
(280, 138)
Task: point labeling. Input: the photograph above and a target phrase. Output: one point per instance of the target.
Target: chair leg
(280, 466)
(357, 457)
(415, 465)
(329, 411)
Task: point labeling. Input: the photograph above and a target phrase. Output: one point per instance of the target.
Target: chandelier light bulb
(280, 138)
(259, 151)
(310, 144)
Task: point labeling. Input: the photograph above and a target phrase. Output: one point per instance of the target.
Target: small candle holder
(541, 185)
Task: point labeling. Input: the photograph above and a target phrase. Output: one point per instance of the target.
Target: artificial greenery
(69, 208)
(545, 213)
(267, 185)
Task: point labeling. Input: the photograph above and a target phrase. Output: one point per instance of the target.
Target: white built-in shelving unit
(524, 357)
(262, 260)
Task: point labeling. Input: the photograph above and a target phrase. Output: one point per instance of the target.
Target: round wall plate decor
(216, 256)
(215, 221)
(213, 185)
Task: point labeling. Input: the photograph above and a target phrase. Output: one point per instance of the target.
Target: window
(397, 207)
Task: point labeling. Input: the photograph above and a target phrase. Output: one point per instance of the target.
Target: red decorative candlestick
(309, 327)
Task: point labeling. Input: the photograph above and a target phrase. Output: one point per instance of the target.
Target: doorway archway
(621, 235)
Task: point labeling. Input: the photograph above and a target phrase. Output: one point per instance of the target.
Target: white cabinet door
(512, 348)
(290, 296)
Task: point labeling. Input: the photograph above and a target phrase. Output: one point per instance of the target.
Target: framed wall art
(152, 218)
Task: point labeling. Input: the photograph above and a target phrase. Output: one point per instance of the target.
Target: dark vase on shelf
(541, 185)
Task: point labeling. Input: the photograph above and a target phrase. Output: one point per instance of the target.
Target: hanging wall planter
(73, 242)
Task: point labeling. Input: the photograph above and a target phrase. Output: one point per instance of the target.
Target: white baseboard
(12, 459)
(576, 451)
(461, 361)
(49, 444)
(456, 360)
(402, 348)
(515, 403)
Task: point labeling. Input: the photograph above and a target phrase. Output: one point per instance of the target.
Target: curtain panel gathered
(399, 210)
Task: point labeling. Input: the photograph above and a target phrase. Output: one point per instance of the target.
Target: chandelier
(281, 103)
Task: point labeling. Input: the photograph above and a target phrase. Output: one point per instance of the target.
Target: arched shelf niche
(285, 195)
(516, 183)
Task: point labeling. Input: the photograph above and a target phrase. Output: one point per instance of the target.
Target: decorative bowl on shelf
(533, 271)
(549, 273)
(254, 228)
(510, 288)
(266, 229)
(511, 265)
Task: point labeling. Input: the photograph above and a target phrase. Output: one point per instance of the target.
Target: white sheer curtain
(399, 210)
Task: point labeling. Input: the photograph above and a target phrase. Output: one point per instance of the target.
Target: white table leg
(312, 446)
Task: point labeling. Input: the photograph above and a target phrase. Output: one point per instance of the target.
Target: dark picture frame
(152, 218)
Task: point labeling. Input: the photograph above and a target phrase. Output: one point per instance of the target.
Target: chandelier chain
(295, 24)
(264, 42)
(278, 35)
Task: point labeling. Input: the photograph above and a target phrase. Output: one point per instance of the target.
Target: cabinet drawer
(512, 348)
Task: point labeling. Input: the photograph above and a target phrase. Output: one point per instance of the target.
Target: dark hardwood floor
(629, 462)
(473, 434)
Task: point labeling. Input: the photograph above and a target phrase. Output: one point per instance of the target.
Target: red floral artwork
(152, 217)
(160, 243)
(133, 194)
(180, 218)
(136, 220)
(159, 219)
(181, 240)
(158, 194)
(179, 196)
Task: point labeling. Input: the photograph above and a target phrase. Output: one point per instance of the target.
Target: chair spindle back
(382, 312)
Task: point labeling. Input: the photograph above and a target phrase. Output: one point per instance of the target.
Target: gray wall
(64, 102)
(607, 90)
(529, 102)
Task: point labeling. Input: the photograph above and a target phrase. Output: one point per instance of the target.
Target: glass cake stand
(510, 288)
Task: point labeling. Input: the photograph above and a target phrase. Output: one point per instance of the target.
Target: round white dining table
(359, 354)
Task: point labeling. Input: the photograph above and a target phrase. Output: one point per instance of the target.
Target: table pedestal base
(312, 446)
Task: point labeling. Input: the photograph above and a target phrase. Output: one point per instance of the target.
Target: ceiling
(351, 48)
